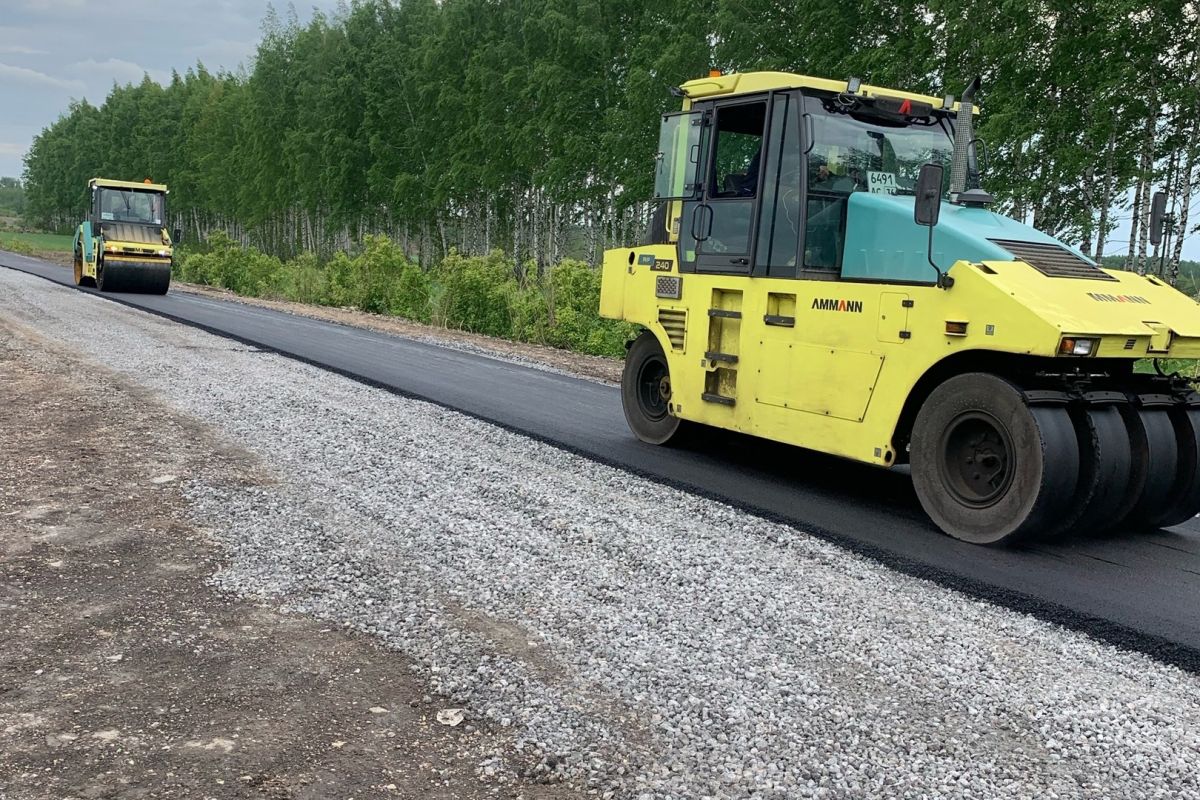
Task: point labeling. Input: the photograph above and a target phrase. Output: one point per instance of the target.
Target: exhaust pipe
(964, 135)
(964, 132)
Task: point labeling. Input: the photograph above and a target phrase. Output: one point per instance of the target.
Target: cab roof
(144, 186)
(736, 83)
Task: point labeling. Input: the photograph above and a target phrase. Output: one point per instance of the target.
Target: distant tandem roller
(123, 246)
(797, 286)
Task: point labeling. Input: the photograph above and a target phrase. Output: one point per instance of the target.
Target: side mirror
(1158, 216)
(981, 154)
(929, 195)
(177, 236)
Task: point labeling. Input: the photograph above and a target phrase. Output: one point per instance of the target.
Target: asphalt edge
(1115, 634)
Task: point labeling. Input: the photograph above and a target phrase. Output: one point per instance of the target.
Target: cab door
(717, 236)
(717, 229)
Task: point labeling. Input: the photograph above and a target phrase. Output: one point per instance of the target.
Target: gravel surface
(639, 640)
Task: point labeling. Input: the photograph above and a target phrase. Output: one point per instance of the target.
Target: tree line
(12, 197)
(530, 126)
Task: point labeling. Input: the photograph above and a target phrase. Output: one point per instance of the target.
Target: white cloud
(11, 74)
(218, 54)
(119, 70)
(12, 149)
(20, 50)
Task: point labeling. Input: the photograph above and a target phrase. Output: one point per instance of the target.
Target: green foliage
(380, 279)
(227, 265)
(574, 291)
(304, 280)
(475, 293)
(15, 245)
(12, 198)
(478, 294)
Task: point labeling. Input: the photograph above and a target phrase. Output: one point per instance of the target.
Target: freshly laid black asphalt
(1138, 591)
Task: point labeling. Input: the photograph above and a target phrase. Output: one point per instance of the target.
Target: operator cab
(766, 183)
(130, 212)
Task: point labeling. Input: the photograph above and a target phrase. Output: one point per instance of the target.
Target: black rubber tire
(1183, 500)
(1155, 456)
(977, 418)
(1105, 463)
(646, 409)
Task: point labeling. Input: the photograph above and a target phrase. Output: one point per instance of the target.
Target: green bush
(477, 294)
(575, 297)
(226, 264)
(530, 313)
(380, 279)
(482, 294)
(304, 280)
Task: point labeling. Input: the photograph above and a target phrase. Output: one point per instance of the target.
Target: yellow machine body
(837, 378)
(835, 364)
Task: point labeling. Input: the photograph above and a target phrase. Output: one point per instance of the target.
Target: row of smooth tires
(995, 464)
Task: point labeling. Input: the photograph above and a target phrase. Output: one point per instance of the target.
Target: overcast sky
(53, 51)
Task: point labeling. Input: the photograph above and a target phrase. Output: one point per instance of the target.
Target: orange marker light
(714, 73)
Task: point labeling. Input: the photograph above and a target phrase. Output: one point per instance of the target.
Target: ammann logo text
(833, 304)
(1118, 298)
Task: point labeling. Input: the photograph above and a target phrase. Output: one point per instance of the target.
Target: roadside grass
(35, 242)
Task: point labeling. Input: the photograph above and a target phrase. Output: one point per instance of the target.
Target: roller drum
(146, 277)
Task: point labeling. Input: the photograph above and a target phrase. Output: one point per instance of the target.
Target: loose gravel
(639, 640)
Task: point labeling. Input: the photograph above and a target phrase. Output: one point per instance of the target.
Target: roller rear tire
(1155, 456)
(1183, 500)
(987, 467)
(646, 393)
(1105, 464)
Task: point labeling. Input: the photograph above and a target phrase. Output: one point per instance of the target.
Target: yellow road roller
(123, 245)
(823, 270)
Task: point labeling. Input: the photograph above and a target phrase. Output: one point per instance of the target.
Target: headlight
(1074, 346)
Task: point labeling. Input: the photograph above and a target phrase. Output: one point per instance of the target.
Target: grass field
(47, 242)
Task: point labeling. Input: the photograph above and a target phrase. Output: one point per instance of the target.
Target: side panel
(821, 380)
(91, 247)
(819, 364)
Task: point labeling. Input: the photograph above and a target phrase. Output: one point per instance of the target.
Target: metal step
(717, 398)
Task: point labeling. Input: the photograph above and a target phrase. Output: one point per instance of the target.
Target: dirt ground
(124, 675)
(596, 367)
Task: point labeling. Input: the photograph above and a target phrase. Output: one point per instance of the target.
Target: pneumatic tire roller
(811, 276)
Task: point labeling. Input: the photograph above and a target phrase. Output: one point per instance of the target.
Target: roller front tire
(646, 393)
(987, 467)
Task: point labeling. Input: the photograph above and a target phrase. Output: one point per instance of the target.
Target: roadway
(1140, 592)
